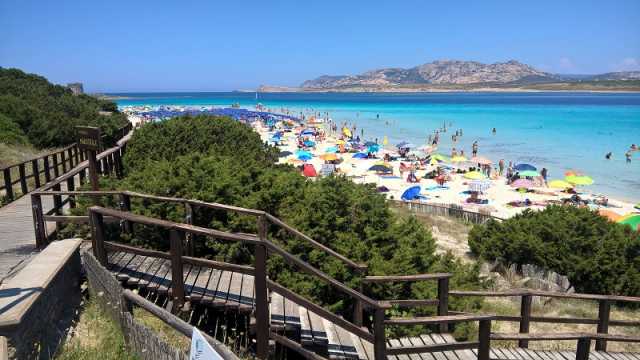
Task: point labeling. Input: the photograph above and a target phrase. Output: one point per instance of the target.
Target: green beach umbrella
(559, 184)
(528, 173)
(632, 220)
(579, 179)
(475, 175)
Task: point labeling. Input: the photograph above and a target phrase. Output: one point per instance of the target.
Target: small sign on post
(201, 349)
(89, 141)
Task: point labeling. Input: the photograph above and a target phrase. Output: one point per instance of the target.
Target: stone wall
(38, 304)
(139, 338)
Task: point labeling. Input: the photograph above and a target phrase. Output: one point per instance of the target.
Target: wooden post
(98, 237)
(57, 200)
(56, 171)
(188, 219)
(177, 279)
(71, 186)
(582, 351)
(63, 160)
(525, 319)
(23, 179)
(443, 302)
(70, 153)
(38, 221)
(484, 339)
(36, 172)
(261, 293)
(8, 187)
(358, 309)
(604, 310)
(125, 205)
(76, 154)
(110, 168)
(380, 342)
(117, 162)
(93, 170)
(47, 168)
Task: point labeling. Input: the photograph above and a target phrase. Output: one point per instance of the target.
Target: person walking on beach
(501, 166)
(543, 172)
(628, 156)
(474, 148)
(453, 152)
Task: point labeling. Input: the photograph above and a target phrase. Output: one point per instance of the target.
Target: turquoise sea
(559, 131)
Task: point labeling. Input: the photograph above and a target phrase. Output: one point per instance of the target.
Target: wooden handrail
(437, 320)
(564, 336)
(405, 278)
(550, 294)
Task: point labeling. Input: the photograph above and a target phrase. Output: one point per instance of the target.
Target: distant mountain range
(455, 74)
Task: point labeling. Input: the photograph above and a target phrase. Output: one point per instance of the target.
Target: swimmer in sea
(493, 131)
(608, 156)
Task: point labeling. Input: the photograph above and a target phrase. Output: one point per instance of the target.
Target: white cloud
(627, 64)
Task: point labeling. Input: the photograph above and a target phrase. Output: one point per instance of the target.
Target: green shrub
(10, 132)
(48, 113)
(597, 255)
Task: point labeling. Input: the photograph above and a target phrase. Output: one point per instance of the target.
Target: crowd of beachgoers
(319, 146)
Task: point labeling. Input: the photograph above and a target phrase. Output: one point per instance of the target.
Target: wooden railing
(31, 174)
(526, 318)
(449, 210)
(264, 249)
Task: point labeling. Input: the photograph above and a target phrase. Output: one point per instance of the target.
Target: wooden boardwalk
(233, 291)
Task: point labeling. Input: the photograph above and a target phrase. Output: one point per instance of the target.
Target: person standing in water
(474, 148)
(628, 156)
(493, 131)
(501, 166)
(543, 172)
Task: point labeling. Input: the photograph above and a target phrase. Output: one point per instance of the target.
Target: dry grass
(166, 332)
(95, 336)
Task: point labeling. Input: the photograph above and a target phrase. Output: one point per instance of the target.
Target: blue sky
(224, 45)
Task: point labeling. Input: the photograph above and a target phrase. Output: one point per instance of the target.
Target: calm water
(559, 131)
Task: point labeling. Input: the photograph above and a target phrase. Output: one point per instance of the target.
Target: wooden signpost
(89, 142)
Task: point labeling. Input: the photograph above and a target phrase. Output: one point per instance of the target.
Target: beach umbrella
(331, 149)
(528, 173)
(309, 143)
(522, 183)
(458, 158)
(308, 132)
(304, 155)
(440, 157)
(340, 142)
(433, 161)
(382, 189)
(411, 193)
(480, 185)
(405, 145)
(632, 220)
(346, 132)
(359, 156)
(374, 148)
(285, 153)
(559, 184)
(611, 215)
(275, 139)
(475, 175)
(309, 171)
(524, 167)
(385, 140)
(329, 157)
(380, 168)
(480, 160)
(579, 180)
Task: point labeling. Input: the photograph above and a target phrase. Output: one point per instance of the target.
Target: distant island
(455, 75)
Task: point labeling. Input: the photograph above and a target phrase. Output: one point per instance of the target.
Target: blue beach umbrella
(411, 193)
(525, 167)
(331, 149)
(380, 168)
(307, 132)
(374, 148)
(309, 143)
(285, 153)
(304, 155)
(359, 156)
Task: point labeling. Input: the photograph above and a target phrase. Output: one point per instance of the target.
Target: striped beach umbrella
(480, 185)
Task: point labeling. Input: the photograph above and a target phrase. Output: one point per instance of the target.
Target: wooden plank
(398, 343)
(333, 346)
(418, 341)
(209, 295)
(151, 272)
(190, 281)
(222, 291)
(117, 257)
(360, 349)
(291, 314)
(248, 287)
(126, 273)
(346, 343)
(141, 271)
(160, 276)
(437, 339)
(235, 290)
(122, 265)
(306, 334)
(317, 329)
(276, 307)
(201, 284)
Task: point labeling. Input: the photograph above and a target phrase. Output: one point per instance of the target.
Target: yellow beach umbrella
(458, 159)
(475, 175)
(440, 157)
(579, 180)
(340, 142)
(329, 157)
(559, 184)
(346, 132)
(385, 140)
